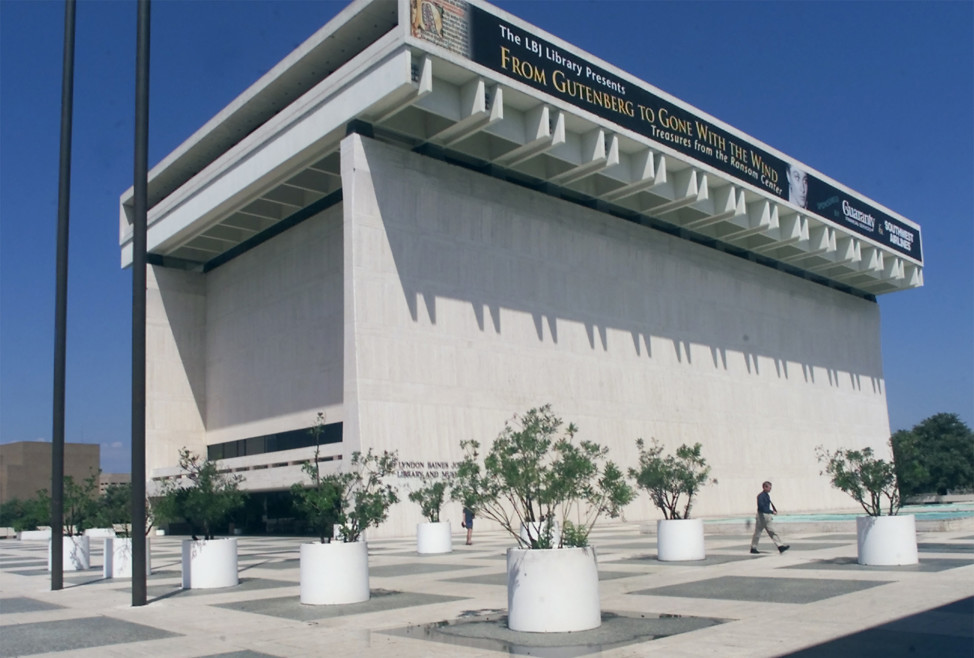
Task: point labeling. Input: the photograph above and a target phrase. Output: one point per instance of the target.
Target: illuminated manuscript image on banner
(476, 34)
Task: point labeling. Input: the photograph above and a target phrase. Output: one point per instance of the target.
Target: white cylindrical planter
(434, 538)
(35, 535)
(100, 533)
(334, 573)
(679, 540)
(76, 553)
(536, 530)
(118, 558)
(209, 563)
(553, 590)
(887, 540)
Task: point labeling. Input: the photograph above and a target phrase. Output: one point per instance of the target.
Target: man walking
(764, 519)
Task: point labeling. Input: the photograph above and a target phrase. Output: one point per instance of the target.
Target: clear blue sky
(877, 95)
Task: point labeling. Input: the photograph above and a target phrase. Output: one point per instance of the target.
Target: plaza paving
(813, 600)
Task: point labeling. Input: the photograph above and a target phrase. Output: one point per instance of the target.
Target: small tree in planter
(203, 500)
(435, 535)
(534, 474)
(80, 504)
(350, 502)
(872, 482)
(430, 496)
(321, 501)
(80, 510)
(667, 478)
(115, 512)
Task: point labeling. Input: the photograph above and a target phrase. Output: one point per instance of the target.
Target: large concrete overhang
(272, 156)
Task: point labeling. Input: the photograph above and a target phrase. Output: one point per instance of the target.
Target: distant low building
(108, 479)
(25, 466)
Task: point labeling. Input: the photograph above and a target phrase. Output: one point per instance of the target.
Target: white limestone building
(433, 215)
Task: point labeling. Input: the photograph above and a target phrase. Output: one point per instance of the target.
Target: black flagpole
(138, 304)
(61, 303)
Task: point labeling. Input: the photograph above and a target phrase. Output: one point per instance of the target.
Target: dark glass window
(259, 445)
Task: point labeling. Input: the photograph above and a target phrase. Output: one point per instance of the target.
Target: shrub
(667, 478)
(203, 497)
(80, 504)
(27, 514)
(430, 496)
(354, 500)
(867, 479)
(536, 473)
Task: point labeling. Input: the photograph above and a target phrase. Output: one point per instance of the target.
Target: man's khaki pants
(764, 522)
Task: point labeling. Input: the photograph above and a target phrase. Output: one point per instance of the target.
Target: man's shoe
(755, 551)
(782, 549)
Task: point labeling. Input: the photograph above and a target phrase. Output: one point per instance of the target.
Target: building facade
(25, 467)
(433, 215)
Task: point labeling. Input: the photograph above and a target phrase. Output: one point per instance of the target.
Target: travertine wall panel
(274, 333)
(175, 365)
(469, 299)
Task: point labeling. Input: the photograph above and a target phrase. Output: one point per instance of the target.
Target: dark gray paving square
(934, 547)
(766, 590)
(239, 654)
(490, 632)
(50, 636)
(76, 578)
(17, 604)
(412, 553)
(245, 585)
(413, 568)
(290, 607)
(712, 558)
(926, 565)
(7, 565)
(500, 578)
(27, 572)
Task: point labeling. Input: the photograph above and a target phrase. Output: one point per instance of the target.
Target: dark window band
(259, 445)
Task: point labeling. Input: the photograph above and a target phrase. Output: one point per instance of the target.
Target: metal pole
(61, 302)
(138, 303)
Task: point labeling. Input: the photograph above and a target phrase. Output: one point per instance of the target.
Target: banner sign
(512, 51)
